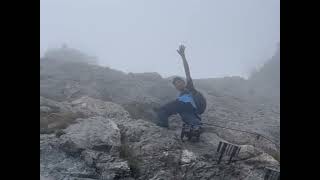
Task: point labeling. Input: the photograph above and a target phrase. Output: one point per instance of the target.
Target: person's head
(179, 83)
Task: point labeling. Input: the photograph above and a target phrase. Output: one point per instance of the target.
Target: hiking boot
(191, 132)
(186, 128)
(197, 129)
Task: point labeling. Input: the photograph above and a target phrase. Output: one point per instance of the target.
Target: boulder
(88, 107)
(96, 133)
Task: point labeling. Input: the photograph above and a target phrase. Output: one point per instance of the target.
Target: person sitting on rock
(185, 105)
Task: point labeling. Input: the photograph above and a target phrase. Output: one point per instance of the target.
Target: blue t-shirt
(187, 98)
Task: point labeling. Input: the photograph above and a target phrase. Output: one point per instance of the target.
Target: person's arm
(186, 67)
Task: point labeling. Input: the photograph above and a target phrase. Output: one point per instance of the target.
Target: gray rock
(55, 164)
(96, 133)
(187, 156)
(88, 107)
(114, 170)
(55, 115)
(106, 142)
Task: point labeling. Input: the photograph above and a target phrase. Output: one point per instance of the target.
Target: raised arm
(186, 67)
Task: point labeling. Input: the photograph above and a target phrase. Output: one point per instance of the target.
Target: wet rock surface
(116, 146)
(95, 123)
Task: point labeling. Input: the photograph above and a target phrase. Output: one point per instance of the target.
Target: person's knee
(190, 118)
(171, 108)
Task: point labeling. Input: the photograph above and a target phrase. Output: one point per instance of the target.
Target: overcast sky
(223, 37)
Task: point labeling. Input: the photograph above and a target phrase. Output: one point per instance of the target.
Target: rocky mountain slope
(94, 124)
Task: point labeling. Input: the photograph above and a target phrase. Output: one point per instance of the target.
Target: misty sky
(223, 37)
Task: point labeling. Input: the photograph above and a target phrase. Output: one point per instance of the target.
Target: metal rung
(228, 149)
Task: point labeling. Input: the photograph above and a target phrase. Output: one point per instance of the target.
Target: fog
(223, 37)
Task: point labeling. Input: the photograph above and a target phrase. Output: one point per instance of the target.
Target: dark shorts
(185, 110)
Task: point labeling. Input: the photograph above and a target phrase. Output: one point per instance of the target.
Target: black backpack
(200, 101)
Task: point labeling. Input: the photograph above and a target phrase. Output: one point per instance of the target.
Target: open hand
(181, 50)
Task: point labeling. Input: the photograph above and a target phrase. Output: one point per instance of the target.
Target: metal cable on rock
(254, 133)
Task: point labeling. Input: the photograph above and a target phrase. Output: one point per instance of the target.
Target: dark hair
(177, 79)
